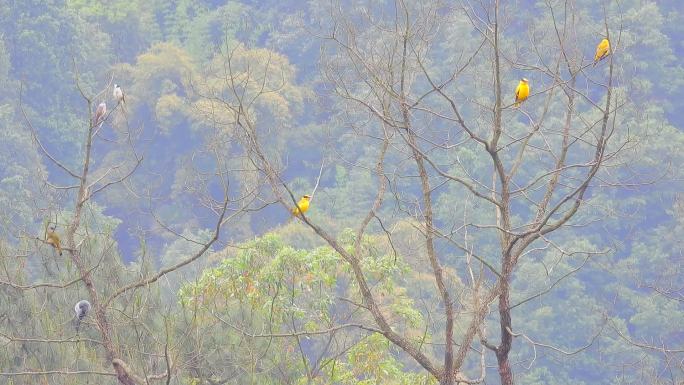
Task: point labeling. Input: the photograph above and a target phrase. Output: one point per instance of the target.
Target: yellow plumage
(602, 50)
(53, 239)
(522, 91)
(302, 205)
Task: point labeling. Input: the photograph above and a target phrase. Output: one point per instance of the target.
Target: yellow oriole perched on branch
(602, 51)
(522, 91)
(302, 205)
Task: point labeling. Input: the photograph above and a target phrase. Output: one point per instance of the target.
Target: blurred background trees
(317, 89)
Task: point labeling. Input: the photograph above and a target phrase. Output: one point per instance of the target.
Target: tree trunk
(502, 352)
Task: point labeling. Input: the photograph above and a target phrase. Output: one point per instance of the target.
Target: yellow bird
(302, 205)
(522, 91)
(602, 50)
(53, 239)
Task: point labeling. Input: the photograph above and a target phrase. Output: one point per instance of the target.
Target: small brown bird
(100, 112)
(53, 239)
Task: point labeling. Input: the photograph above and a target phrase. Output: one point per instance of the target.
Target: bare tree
(125, 309)
(533, 165)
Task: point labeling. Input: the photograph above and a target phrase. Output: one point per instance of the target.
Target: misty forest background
(180, 234)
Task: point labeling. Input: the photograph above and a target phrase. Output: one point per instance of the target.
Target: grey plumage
(119, 94)
(82, 309)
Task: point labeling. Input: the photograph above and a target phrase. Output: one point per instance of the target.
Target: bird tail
(77, 324)
(598, 59)
(59, 248)
(294, 214)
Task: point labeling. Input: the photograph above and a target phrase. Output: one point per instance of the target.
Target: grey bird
(82, 308)
(119, 95)
(100, 114)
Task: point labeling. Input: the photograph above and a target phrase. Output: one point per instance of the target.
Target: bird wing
(602, 49)
(598, 53)
(302, 206)
(517, 93)
(52, 239)
(99, 113)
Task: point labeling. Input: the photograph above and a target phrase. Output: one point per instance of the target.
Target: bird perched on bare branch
(82, 308)
(52, 238)
(302, 205)
(602, 51)
(522, 91)
(119, 95)
(100, 112)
